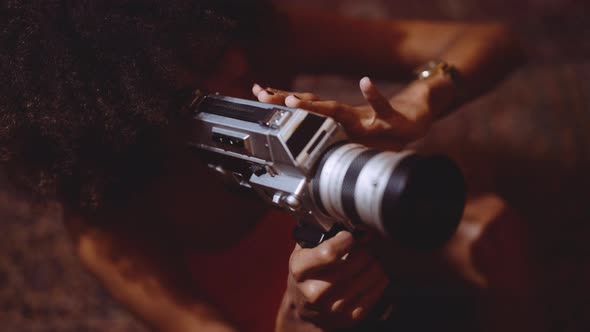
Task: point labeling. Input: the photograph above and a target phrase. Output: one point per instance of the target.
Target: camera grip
(310, 236)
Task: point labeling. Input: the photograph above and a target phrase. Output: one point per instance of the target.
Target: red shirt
(247, 281)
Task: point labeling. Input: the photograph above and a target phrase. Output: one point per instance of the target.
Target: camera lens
(415, 199)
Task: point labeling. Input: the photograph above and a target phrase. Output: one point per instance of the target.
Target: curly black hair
(88, 91)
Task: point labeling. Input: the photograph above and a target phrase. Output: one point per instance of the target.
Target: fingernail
(337, 306)
(356, 313)
(345, 234)
(296, 97)
(342, 233)
(269, 92)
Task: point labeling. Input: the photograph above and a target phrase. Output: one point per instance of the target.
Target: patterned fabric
(43, 286)
(528, 140)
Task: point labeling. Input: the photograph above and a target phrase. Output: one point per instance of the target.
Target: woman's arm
(149, 278)
(481, 53)
(319, 42)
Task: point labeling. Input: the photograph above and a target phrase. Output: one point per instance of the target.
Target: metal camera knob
(293, 203)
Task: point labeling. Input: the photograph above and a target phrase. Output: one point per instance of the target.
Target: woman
(92, 115)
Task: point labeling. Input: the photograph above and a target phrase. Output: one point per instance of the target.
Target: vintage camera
(303, 162)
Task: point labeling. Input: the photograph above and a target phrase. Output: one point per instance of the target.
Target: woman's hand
(402, 119)
(333, 285)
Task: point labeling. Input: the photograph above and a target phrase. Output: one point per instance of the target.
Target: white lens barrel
(370, 186)
(332, 177)
(352, 181)
(416, 199)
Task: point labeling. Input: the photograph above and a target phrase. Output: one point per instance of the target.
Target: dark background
(529, 141)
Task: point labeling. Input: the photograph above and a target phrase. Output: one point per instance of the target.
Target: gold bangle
(437, 67)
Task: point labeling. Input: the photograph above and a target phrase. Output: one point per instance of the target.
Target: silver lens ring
(371, 184)
(332, 175)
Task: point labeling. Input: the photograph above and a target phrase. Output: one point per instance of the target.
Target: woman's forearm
(138, 280)
(480, 55)
(391, 50)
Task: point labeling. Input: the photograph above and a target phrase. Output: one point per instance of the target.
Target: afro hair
(88, 91)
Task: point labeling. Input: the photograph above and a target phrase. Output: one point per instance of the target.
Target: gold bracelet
(437, 67)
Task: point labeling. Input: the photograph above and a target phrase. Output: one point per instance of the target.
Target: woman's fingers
(355, 119)
(304, 262)
(268, 96)
(318, 288)
(379, 118)
(401, 126)
(336, 283)
(277, 97)
(369, 298)
(256, 89)
(315, 292)
(344, 295)
(329, 107)
(300, 95)
(380, 104)
(376, 118)
(363, 291)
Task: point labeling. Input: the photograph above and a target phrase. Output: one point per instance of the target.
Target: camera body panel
(274, 150)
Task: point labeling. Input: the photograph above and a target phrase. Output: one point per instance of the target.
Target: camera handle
(310, 236)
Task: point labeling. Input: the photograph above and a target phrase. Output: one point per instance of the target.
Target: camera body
(269, 148)
(303, 162)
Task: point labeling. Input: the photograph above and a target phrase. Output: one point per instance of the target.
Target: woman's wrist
(443, 95)
(444, 84)
(430, 99)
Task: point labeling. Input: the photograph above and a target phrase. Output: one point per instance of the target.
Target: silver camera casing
(277, 147)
